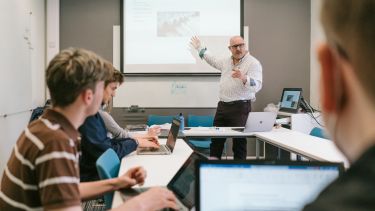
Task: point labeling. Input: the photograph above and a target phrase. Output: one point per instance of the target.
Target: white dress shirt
(232, 89)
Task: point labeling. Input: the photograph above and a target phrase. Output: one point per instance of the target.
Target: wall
(279, 38)
(317, 36)
(88, 24)
(12, 125)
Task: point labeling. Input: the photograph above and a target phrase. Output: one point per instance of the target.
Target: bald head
(236, 39)
(237, 47)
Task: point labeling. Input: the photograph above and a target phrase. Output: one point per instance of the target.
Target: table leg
(257, 148)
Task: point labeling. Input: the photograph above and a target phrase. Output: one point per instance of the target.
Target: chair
(202, 144)
(108, 165)
(318, 132)
(158, 120)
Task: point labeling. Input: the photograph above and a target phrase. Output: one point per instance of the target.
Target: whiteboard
(168, 92)
(15, 54)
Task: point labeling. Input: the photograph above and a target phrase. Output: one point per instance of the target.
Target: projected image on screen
(177, 24)
(156, 33)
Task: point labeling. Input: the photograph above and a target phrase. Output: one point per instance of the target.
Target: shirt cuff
(201, 52)
(252, 82)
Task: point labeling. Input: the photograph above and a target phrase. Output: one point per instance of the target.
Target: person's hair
(115, 77)
(350, 27)
(72, 71)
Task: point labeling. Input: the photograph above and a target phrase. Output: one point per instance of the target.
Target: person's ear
(331, 80)
(87, 96)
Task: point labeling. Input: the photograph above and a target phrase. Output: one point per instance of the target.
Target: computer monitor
(290, 99)
(261, 185)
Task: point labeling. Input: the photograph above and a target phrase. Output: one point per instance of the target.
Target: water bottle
(181, 118)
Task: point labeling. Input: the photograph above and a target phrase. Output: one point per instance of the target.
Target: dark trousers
(232, 114)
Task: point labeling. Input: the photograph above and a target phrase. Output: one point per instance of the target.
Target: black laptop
(166, 149)
(182, 184)
(290, 99)
(261, 185)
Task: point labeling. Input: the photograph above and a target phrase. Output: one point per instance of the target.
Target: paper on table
(165, 126)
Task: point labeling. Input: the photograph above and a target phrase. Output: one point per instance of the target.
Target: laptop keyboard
(162, 148)
(127, 194)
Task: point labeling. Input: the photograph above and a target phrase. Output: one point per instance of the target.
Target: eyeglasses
(241, 45)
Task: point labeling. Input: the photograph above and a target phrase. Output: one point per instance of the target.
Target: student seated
(348, 101)
(95, 140)
(114, 130)
(43, 170)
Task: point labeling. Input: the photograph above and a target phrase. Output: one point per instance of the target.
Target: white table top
(312, 147)
(215, 132)
(160, 168)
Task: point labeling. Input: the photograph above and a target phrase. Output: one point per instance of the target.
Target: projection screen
(156, 34)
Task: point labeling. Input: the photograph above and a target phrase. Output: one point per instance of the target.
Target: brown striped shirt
(43, 171)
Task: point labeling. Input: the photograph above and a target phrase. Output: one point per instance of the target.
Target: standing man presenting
(241, 78)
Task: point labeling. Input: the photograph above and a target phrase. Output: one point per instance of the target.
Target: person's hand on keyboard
(156, 198)
(148, 142)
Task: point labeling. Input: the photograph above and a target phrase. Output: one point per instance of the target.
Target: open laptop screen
(261, 186)
(290, 99)
(173, 133)
(183, 183)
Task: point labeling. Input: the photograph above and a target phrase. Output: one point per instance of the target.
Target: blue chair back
(318, 132)
(108, 165)
(158, 119)
(203, 121)
(200, 121)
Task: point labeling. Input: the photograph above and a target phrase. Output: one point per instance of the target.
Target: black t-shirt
(354, 190)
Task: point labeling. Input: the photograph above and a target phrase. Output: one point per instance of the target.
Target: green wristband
(201, 53)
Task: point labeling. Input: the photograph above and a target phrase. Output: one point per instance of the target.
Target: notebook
(261, 185)
(166, 149)
(182, 184)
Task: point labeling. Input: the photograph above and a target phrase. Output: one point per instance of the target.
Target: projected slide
(157, 33)
(177, 24)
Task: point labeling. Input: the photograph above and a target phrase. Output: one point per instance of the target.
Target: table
(308, 146)
(215, 132)
(311, 147)
(160, 168)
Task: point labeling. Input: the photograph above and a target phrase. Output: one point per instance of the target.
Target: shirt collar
(58, 118)
(246, 54)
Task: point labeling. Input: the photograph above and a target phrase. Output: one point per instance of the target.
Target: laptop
(259, 122)
(290, 99)
(261, 185)
(166, 149)
(182, 184)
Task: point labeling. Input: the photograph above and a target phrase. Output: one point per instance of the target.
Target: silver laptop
(182, 184)
(166, 149)
(260, 121)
